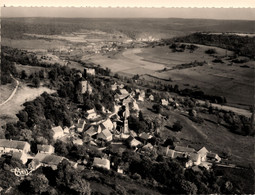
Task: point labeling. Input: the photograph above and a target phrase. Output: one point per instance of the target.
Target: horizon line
(191, 18)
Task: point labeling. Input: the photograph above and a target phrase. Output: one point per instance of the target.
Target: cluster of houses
(111, 129)
(193, 158)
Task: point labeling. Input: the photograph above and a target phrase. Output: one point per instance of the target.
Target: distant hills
(134, 28)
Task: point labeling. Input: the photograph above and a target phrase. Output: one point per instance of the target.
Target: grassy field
(215, 138)
(24, 93)
(29, 69)
(6, 91)
(226, 79)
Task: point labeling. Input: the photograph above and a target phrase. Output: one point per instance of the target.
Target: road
(13, 92)
(238, 111)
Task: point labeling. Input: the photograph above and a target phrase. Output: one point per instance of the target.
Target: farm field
(230, 80)
(24, 93)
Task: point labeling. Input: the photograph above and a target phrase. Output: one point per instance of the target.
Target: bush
(210, 51)
(177, 126)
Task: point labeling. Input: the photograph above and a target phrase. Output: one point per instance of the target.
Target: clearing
(24, 93)
(6, 91)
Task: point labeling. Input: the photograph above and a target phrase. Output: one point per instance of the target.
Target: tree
(177, 126)
(36, 82)
(157, 108)
(80, 186)
(39, 183)
(23, 116)
(23, 74)
(187, 187)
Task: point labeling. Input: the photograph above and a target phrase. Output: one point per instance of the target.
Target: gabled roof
(44, 148)
(49, 159)
(107, 124)
(132, 133)
(91, 131)
(170, 153)
(101, 162)
(194, 156)
(124, 91)
(106, 133)
(145, 136)
(57, 129)
(148, 146)
(18, 155)
(203, 152)
(133, 142)
(91, 111)
(13, 144)
(184, 149)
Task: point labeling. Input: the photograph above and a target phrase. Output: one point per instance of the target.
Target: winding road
(13, 92)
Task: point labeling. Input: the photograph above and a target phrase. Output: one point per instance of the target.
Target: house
(78, 142)
(148, 146)
(196, 158)
(121, 86)
(93, 130)
(132, 142)
(107, 124)
(151, 98)
(101, 162)
(144, 136)
(57, 132)
(105, 135)
(47, 149)
(14, 146)
(20, 156)
(203, 152)
(140, 98)
(80, 125)
(114, 87)
(166, 151)
(91, 114)
(66, 130)
(164, 102)
(184, 149)
(48, 160)
(179, 154)
(133, 133)
(142, 93)
(84, 86)
(127, 100)
(120, 170)
(90, 71)
(90, 89)
(124, 92)
(213, 156)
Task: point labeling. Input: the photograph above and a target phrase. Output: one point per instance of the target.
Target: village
(101, 132)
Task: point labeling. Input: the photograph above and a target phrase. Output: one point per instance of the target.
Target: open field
(29, 69)
(24, 93)
(215, 138)
(6, 91)
(230, 80)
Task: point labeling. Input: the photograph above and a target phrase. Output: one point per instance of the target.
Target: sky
(90, 12)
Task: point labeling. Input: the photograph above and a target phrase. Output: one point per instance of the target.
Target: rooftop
(13, 144)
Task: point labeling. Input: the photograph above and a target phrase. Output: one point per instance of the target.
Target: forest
(241, 45)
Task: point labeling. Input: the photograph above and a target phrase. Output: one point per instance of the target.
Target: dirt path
(230, 108)
(13, 92)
